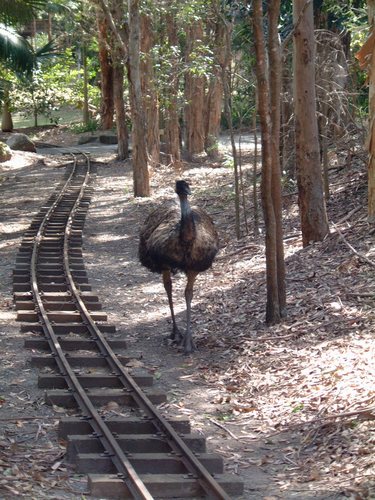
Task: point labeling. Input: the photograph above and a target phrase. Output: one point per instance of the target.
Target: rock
(5, 152)
(85, 139)
(108, 138)
(20, 142)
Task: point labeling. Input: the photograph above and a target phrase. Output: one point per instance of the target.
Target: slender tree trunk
(275, 69)
(50, 18)
(314, 223)
(254, 173)
(149, 93)
(139, 144)
(106, 75)
(86, 114)
(215, 92)
(118, 55)
(371, 142)
(172, 125)
(268, 185)
(6, 118)
(287, 120)
(194, 94)
(226, 79)
(118, 97)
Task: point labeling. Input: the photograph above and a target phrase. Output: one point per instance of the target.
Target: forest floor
(290, 407)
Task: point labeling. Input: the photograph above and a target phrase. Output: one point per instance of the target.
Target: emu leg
(188, 341)
(167, 281)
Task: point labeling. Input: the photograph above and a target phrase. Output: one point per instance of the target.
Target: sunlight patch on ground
(10, 228)
(106, 238)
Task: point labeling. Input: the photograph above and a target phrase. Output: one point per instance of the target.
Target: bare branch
(108, 15)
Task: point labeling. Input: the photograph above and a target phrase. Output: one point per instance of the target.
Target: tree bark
(85, 111)
(275, 66)
(215, 91)
(139, 144)
(268, 185)
(194, 94)
(119, 56)
(6, 118)
(106, 75)
(314, 223)
(149, 93)
(371, 141)
(228, 108)
(118, 97)
(172, 125)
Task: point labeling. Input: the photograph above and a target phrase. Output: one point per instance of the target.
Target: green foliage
(56, 82)
(299, 407)
(228, 161)
(200, 60)
(13, 12)
(80, 128)
(351, 16)
(192, 11)
(15, 52)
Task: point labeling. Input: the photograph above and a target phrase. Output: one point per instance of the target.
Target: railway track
(139, 454)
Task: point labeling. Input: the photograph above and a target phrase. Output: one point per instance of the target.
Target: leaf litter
(291, 407)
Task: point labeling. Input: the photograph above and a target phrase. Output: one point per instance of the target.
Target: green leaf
(15, 51)
(19, 11)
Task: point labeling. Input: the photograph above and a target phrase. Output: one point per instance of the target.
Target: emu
(175, 238)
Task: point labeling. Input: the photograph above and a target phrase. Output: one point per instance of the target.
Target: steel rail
(206, 480)
(126, 471)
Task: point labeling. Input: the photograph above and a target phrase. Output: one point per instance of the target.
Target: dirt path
(249, 389)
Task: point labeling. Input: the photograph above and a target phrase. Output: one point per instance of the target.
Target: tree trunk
(314, 223)
(215, 93)
(194, 94)
(139, 144)
(118, 97)
(172, 125)
(268, 186)
(106, 75)
(149, 93)
(371, 142)
(86, 114)
(226, 80)
(6, 118)
(287, 119)
(275, 69)
(118, 55)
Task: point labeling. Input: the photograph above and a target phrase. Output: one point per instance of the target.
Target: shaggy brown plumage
(179, 238)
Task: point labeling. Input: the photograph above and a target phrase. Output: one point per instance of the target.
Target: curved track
(138, 455)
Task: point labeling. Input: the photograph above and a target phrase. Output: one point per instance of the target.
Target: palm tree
(15, 51)
(13, 12)
(16, 54)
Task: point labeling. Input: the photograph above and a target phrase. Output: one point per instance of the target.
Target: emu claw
(176, 336)
(189, 347)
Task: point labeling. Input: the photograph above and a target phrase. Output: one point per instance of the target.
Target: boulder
(86, 139)
(5, 152)
(20, 142)
(109, 138)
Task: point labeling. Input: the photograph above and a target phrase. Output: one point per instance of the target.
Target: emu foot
(176, 336)
(189, 345)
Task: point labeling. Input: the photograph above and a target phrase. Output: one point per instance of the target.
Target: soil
(290, 407)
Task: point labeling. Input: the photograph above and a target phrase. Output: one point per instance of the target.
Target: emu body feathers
(178, 238)
(162, 246)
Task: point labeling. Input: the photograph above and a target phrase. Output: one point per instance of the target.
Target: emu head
(182, 188)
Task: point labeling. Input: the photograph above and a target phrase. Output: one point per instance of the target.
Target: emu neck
(187, 228)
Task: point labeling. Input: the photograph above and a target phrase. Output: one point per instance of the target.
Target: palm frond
(15, 51)
(48, 50)
(19, 11)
